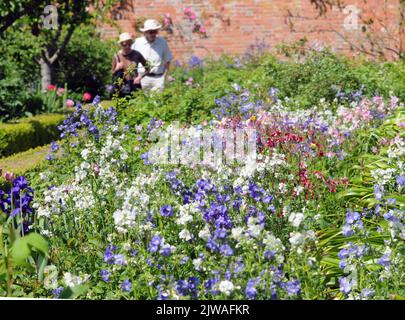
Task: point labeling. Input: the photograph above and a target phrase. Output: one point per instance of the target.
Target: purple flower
(105, 274)
(293, 287)
(166, 211)
(378, 192)
(367, 292)
(155, 243)
(344, 253)
(203, 185)
(126, 286)
(347, 230)
(385, 260)
(54, 146)
(401, 181)
(390, 216)
(212, 245)
(188, 287)
(57, 292)
(269, 255)
(345, 285)
(220, 233)
(96, 100)
(352, 217)
(267, 199)
(250, 291)
(120, 259)
(226, 250)
(342, 264)
(166, 250)
(195, 62)
(108, 255)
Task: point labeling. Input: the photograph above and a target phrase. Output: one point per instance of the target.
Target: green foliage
(94, 70)
(311, 80)
(22, 163)
(320, 76)
(28, 133)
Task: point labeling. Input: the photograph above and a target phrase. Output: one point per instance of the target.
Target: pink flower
(69, 103)
(202, 29)
(192, 16)
(60, 91)
(86, 96)
(9, 176)
(188, 11)
(171, 79)
(51, 87)
(190, 81)
(96, 169)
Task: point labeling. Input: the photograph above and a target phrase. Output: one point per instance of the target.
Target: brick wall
(231, 26)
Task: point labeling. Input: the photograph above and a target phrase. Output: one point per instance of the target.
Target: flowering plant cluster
(291, 227)
(198, 26)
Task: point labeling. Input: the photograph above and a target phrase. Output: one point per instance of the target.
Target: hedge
(22, 162)
(28, 133)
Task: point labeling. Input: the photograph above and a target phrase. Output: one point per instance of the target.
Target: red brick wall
(234, 25)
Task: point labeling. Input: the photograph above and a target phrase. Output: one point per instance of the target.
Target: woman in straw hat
(156, 52)
(124, 67)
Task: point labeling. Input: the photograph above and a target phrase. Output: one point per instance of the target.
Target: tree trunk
(46, 74)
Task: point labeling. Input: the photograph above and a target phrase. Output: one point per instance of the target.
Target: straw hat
(125, 37)
(150, 24)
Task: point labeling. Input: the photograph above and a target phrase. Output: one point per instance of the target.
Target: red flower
(51, 87)
(86, 96)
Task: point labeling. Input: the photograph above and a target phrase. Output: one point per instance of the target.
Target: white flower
(43, 212)
(85, 153)
(296, 238)
(295, 219)
(124, 220)
(185, 235)
(50, 277)
(205, 233)
(282, 187)
(43, 176)
(46, 233)
(126, 246)
(197, 263)
(72, 280)
(298, 189)
(254, 228)
(226, 287)
(237, 233)
(184, 218)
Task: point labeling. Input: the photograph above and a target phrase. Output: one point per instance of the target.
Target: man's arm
(167, 67)
(167, 57)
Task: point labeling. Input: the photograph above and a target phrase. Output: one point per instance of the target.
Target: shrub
(28, 133)
(19, 74)
(93, 71)
(23, 162)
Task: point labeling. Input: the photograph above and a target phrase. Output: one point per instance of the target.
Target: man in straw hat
(156, 52)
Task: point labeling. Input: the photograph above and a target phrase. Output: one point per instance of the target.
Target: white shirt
(156, 53)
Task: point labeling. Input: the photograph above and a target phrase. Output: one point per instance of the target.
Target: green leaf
(38, 242)
(41, 263)
(20, 251)
(71, 293)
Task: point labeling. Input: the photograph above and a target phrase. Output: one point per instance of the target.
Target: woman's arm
(116, 64)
